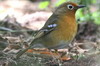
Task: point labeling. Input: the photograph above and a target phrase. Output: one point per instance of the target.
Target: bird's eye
(70, 6)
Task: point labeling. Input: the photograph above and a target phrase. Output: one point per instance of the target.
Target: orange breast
(63, 34)
(66, 29)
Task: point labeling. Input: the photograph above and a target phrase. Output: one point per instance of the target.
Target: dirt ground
(18, 27)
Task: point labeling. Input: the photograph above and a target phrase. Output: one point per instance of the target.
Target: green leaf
(43, 4)
(60, 2)
(96, 16)
(79, 13)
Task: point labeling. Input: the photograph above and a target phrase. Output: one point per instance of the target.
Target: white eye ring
(70, 6)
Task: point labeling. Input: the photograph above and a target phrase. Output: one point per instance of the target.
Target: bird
(59, 30)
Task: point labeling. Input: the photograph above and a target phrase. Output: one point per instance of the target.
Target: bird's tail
(26, 49)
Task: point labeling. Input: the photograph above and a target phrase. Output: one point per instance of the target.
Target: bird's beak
(81, 6)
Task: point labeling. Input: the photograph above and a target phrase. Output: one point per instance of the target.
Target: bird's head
(68, 7)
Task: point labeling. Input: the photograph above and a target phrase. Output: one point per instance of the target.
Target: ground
(18, 27)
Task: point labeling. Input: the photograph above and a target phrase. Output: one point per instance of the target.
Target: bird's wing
(49, 26)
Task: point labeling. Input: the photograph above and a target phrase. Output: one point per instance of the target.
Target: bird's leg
(53, 54)
(64, 55)
(56, 51)
(60, 55)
